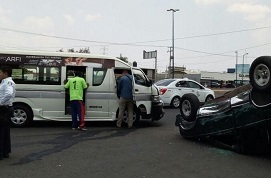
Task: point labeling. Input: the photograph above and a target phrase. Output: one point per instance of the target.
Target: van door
(142, 89)
(70, 74)
(98, 94)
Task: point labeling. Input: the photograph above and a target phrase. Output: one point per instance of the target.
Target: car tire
(189, 106)
(22, 117)
(175, 102)
(209, 98)
(260, 73)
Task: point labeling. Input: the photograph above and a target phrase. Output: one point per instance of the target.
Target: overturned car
(240, 120)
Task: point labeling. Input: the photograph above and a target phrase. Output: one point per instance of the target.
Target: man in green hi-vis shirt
(76, 88)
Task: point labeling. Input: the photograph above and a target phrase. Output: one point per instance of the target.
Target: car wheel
(175, 102)
(22, 116)
(260, 72)
(189, 106)
(209, 98)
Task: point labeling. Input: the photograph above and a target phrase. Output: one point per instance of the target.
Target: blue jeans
(78, 113)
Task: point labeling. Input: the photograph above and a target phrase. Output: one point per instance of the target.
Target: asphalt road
(154, 149)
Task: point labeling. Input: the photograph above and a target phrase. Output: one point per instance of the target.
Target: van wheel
(260, 73)
(136, 116)
(22, 116)
(175, 102)
(189, 106)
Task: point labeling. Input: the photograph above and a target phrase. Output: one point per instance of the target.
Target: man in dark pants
(7, 94)
(76, 88)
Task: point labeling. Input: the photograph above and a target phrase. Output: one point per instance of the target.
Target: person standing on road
(7, 94)
(76, 88)
(125, 92)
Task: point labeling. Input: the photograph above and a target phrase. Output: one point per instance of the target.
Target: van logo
(13, 59)
(95, 107)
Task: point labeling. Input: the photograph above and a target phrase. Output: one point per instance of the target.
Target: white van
(40, 93)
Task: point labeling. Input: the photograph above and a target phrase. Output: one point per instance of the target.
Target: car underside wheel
(22, 117)
(189, 106)
(175, 102)
(260, 72)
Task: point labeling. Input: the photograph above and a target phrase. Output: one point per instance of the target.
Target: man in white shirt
(7, 94)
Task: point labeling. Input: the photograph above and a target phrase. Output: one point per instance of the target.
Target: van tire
(136, 114)
(23, 115)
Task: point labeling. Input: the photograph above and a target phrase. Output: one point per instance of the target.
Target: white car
(172, 90)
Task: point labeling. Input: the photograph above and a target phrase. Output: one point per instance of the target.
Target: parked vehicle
(40, 93)
(230, 85)
(243, 116)
(215, 85)
(172, 90)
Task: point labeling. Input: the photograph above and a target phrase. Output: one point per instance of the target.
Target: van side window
(140, 78)
(31, 74)
(98, 76)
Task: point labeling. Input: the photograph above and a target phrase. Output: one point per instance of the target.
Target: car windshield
(164, 82)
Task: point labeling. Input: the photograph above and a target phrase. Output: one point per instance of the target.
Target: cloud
(38, 24)
(4, 17)
(251, 12)
(207, 2)
(70, 20)
(89, 17)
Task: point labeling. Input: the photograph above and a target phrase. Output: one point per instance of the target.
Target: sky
(207, 33)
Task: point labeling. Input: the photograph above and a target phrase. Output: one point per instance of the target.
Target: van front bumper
(157, 111)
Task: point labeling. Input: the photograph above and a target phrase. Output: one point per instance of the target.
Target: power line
(157, 46)
(205, 35)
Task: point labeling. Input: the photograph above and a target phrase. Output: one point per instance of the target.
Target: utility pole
(243, 69)
(236, 67)
(173, 10)
(169, 66)
(104, 49)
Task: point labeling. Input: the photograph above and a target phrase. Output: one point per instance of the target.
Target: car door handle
(136, 89)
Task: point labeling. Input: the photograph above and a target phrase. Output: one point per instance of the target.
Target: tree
(125, 59)
(72, 50)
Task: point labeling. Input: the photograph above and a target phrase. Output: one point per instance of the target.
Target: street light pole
(243, 69)
(236, 68)
(172, 57)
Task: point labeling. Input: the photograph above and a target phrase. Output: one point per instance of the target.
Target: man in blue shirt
(125, 92)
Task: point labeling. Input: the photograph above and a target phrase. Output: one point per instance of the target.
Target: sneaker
(74, 128)
(130, 126)
(118, 126)
(82, 128)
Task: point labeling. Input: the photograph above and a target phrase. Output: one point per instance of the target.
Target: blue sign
(243, 68)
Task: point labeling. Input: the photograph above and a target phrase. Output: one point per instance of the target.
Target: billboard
(240, 68)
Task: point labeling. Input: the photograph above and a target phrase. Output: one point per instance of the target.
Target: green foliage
(125, 59)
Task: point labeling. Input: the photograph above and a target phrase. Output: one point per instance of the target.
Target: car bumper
(157, 111)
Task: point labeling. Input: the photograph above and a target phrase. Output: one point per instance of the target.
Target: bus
(40, 92)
